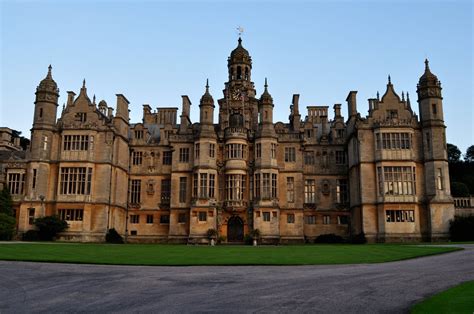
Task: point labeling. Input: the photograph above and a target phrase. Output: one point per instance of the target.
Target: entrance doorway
(235, 229)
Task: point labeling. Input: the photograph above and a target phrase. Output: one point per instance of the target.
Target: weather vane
(240, 30)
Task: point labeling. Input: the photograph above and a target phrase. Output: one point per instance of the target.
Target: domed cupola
(48, 85)
(207, 99)
(266, 98)
(428, 85)
(239, 63)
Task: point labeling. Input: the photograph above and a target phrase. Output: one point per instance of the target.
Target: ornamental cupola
(428, 85)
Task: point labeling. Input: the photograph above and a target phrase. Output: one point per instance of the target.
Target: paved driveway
(368, 288)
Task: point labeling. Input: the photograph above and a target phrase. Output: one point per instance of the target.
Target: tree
(7, 226)
(459, 189)
(6, 202)
(24, 142)
(49, 227)
(454, 154)
(469, 156)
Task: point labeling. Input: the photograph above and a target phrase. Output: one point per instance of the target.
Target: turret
(46, 103)
(206, 107)
(266, 106)
(240, 64)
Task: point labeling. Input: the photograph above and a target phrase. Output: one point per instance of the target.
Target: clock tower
(239, 92)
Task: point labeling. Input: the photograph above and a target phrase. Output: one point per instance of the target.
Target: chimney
(122, 107)
(185, 119)
(352, 103)
(295, 116)
(110, 112)
(70, 97)
(337, 110)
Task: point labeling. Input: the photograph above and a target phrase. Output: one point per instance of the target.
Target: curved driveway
(365, 288)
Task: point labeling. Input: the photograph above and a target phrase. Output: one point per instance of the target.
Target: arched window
(239, 73)
(246, 73)
(41, 113)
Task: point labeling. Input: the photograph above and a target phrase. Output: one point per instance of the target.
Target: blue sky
(155, 51)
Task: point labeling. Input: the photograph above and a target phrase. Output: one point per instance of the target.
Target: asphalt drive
(365, 288)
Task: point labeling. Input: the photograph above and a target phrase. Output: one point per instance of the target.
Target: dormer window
(392, 114)
(139, 134)
(81, 116)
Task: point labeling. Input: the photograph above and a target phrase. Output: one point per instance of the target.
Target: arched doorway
(235, 229)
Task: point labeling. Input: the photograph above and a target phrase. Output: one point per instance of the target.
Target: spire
(207, 85)
(389, 80)
(266, 97)
(93, 100)
(207, 97)
(403, 96)
(49, 75)
(84, 83)
(266, 85)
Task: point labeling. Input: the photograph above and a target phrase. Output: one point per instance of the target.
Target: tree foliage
(113, 236)
(462, 228)
(469, 156)
(49, 227)
(7, 226)
(459, 189)
(454, 154)
(6, 202)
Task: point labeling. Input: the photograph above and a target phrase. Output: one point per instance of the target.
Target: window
(310, 219)
(326, 219)
(137, 158)
(290, 218)
(235, 151)
(134, 219)
(16, 182)
(135, 192)
(309, 191)
(342, 196)
(340, 133)
(81, 116)
(133, 232)
(149, 219)
(164, 219)
(342, 220)
(75, 181)
(184, 155)
(290, 154)
(235, 187)
(309, 133)
(71, 214)
(274, 185)
(33, 181)
(396, 180)
(75, 142)
(45, 142)
(392, 114)
(195, 185)
(340, 157)
(266, 216)
(31, 216)
(196, 151)
(203, 185)
(165, 191)
(393, 140)
(433, 109)
(290, 189)
(41, 113)
(273, 150)
(202, 216)
(400, 215)
(258, 150)
(257, 186)
(181, 218)
(183, 182)
(138, 134)
(212, 150)
(309, 158)
(266, 186)
(439, 179)
(212, 183)
(167, 157)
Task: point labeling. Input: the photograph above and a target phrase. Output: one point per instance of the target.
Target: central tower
(239, 92)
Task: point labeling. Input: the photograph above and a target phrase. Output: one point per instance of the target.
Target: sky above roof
(155, 51)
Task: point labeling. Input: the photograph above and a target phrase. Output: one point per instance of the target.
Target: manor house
(169, 179)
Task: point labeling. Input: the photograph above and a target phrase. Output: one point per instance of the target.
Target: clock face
(236, 94)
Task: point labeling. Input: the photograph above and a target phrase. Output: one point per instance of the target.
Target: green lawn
(152, 254)
(459, 299)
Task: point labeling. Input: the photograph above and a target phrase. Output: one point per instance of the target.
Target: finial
(266, 85)
(49, 72)
(427, 67)
(389, 79)
(93, 99)
(408, 97)
(403, 96)
(207, 84)
(378, 95)
(84, 83)
(240, 41)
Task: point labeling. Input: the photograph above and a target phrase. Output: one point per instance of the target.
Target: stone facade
(385, 175)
